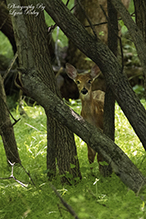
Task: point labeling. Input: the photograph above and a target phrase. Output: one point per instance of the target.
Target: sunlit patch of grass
(126, 138)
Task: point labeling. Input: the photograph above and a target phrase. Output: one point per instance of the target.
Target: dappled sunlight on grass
(126, 138)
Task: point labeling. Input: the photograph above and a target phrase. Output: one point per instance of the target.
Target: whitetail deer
(92, 101)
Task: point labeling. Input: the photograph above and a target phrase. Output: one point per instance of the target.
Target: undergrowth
(93, 197)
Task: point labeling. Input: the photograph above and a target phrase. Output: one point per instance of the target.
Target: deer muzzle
(84, 91)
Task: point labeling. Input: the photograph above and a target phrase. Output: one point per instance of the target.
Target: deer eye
(78, 82)
(89, 82)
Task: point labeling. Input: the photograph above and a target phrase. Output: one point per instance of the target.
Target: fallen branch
(13, 177)
(65, 204)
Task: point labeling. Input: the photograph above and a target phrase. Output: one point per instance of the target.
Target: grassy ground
(94, 197)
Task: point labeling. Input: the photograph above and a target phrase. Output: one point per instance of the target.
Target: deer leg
(91, 154)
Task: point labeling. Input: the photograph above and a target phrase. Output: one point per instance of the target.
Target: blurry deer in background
(92, 103)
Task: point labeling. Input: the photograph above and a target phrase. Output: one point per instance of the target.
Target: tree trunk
(6, 128)
(38, 89)
(101, 54)
(109, 104)
(109, 107)
(134, 32)
(140, 13)
(6, 24)
(31, 41)
(118, 160)
(95, 14)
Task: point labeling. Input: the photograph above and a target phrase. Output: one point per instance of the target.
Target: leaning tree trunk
(31, 39)
(6, 128)
(118, 160)
(101, 54)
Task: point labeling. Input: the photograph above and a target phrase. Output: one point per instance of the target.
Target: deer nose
(84, 91)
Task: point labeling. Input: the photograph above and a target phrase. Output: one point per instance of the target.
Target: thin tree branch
(13, 177)
(67, 3)
(95, 25)
(27, 174)
(65, 204)
(119, 19)
(10, 66)
(15, 120)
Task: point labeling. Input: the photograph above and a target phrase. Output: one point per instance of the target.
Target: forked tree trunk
(6, 128)
(31, 36)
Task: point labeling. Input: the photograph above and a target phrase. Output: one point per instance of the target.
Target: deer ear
(71, 71)
(95, 71)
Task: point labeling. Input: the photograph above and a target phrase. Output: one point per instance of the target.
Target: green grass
(5, 46)
(94, 197)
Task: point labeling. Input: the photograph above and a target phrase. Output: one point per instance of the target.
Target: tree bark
(140, 14)
(94, 13)
(134, 32)
(38, 89)
(92, 9)
(109, 106)
(106, 61)
(118, 160)
(109, 103)
(31, 40)
(6, 128)
(6, 24)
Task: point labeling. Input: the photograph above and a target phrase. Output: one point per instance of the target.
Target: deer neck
(87, 108)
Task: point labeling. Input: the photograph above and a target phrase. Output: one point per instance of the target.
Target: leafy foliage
(93, 197)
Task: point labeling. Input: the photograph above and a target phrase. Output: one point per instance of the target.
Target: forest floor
(93, 197)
